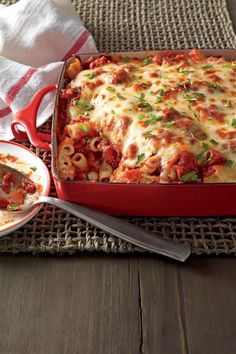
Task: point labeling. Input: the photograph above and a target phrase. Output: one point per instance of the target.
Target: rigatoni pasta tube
(94, 142)
(67, 170)
(66, 147)
(80, 161)
(105, 171)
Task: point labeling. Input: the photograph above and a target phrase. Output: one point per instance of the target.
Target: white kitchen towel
(36, 36)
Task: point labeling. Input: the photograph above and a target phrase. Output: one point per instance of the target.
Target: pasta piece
(80, 161)
(66, 169)
(73, 130)
(66, 147)
(78, 130)
(92, 161)
(152, 165)
(94, 143)
(92, 176)
(221, 175)
(132, 150)
(65, 150)
(74, 68)
(105, 171)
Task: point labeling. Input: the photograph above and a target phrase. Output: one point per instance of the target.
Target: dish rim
(36, 209)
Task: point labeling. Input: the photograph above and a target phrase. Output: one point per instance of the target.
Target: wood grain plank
(209, 287)
(69, 305)
(163, 319)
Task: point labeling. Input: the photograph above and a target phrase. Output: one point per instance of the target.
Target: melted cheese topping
(163, 110)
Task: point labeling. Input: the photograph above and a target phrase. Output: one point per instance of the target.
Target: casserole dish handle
(27, 117)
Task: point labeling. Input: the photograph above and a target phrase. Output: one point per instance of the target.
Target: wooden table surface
(117, 305)
(103, 304)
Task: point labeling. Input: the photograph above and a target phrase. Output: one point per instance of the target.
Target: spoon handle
(124, 230)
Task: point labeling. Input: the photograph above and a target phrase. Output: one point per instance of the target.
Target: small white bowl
(26, 159)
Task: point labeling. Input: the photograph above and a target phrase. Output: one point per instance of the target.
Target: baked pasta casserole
(152, 120)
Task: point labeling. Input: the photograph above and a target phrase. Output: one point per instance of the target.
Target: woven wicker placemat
(137, 25)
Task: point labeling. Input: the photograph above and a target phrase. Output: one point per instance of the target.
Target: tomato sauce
(185, 163)
(17, 196)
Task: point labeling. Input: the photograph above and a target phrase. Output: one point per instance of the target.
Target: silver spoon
(115, 226)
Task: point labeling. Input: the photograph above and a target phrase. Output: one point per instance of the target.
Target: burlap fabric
(137, 25)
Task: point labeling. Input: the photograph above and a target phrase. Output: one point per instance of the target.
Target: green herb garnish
(153, 119)
(229, 65)
(144, 85)
(148, 135)
(203, 136)
(185, 83)
(213, 85)
(154, 116)
(145, 106)
(169, 124)
(201, 155)
(183, 71)
(78, 102)
(121, 97)
(208, 67)
(190, 99)
(113, 112)
(141, 97)
(90, 76)
(147, 61)
(84, 128)
(152, 93)
(141, 157)
(159, 99)
(141, 116)
(110, 89)
(233, 123)
(195, 115)
(204, 145)
(88, 140)
(126, 59)
(228, 104)
(198, 94)
(89, 107)
(14, 207)
(33, 168)
(229, 163)
(161, 92)
(214, 142)
(191, 176)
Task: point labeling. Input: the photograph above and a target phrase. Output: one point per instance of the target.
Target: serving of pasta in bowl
(144, 133)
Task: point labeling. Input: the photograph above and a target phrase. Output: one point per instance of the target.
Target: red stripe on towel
(4, 112)
(78, 44)
(17, 87)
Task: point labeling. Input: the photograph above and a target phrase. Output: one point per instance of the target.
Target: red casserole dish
(128, 198)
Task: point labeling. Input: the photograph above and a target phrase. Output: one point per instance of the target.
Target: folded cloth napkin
(35, 38)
